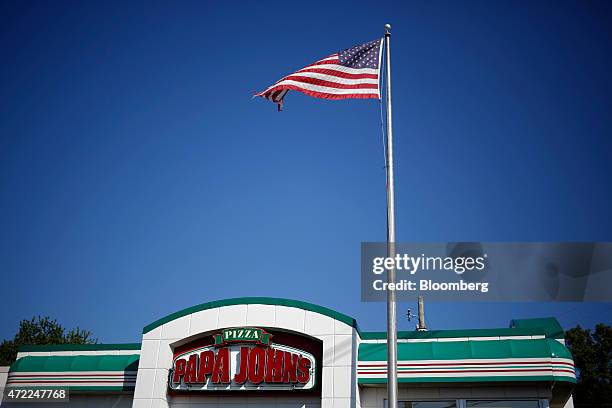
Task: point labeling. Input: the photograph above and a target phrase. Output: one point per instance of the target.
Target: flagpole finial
(387, 28)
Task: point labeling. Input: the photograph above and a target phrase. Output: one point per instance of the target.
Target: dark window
(427, 404)
(503, 404)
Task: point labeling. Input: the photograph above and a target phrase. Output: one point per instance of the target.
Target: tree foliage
(41, 330)
(592, 352)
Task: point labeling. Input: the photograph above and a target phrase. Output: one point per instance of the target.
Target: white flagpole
(391, 309)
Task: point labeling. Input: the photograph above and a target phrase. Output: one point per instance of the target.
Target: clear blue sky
(137, 176)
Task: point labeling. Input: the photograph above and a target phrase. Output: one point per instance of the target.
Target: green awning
(468, 361)
(99, 373)
(453, 350)
(549, 325)
(76, 363)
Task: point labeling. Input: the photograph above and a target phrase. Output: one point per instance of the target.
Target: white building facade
(269, 352)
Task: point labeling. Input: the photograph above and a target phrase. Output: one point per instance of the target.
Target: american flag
(352, 73)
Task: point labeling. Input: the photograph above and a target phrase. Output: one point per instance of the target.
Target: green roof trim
(549, 325)
(76, 363)
(434, 334)
(457, 350)
(254, 301)
(468, 379)
(79, 347)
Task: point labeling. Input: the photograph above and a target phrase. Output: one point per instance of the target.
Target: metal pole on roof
(421, 326)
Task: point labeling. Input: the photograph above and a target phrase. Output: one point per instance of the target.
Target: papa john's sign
(242, 359)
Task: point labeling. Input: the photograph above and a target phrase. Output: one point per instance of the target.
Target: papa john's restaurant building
(268, 352)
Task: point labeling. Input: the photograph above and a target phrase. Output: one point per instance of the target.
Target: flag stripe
(338, 71)
(279, 96)
(339, 74)
(331, 57)
(329, 95)
(330, 84)
(333, 78)
(342, 68)
(324, 89)
(331, 60)
(274, 95)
